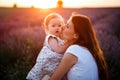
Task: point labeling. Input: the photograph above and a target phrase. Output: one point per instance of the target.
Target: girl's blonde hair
(49, 17)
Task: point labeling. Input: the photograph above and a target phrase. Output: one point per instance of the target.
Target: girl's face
(55, 26)
(68, 32)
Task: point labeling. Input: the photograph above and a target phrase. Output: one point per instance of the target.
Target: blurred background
(22, 34)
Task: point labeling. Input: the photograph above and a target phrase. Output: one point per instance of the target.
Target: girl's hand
(46, 77)
(65, 42)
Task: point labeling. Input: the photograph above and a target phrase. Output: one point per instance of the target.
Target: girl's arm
(66, 63)
(53, 42)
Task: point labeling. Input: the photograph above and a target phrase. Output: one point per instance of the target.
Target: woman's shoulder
(75, 46)
(77, 49)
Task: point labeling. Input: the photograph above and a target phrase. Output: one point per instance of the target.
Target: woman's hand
(66, 63)
(65, 77)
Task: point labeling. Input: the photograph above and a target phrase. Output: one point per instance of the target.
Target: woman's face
(68, 30)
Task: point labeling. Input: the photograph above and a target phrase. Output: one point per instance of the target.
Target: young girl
(50, 54)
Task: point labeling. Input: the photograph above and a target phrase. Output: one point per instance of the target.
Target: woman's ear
(76, 36)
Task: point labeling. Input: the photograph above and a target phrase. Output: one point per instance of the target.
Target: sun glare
(45, 4)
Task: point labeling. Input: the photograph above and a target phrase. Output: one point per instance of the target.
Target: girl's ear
(76, 36)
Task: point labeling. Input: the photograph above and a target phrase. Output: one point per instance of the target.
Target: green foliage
(14, 66)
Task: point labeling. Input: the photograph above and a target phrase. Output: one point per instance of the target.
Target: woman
(84, 59)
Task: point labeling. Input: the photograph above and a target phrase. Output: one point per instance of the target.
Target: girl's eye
(59, 25)
(53, 25)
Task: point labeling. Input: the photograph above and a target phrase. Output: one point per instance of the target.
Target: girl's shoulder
(48, 36)
(53, 36)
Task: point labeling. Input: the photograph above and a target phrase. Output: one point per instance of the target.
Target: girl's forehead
(56, 20)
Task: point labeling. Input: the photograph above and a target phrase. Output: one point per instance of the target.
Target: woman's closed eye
(67, 26)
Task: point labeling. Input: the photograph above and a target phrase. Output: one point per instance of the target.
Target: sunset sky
(66, 3)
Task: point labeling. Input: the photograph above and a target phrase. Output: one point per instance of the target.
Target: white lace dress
(46, 62)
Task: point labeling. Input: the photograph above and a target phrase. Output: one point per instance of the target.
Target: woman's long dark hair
(87, 38)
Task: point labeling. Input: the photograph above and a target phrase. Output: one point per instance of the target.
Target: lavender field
(22, 36)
